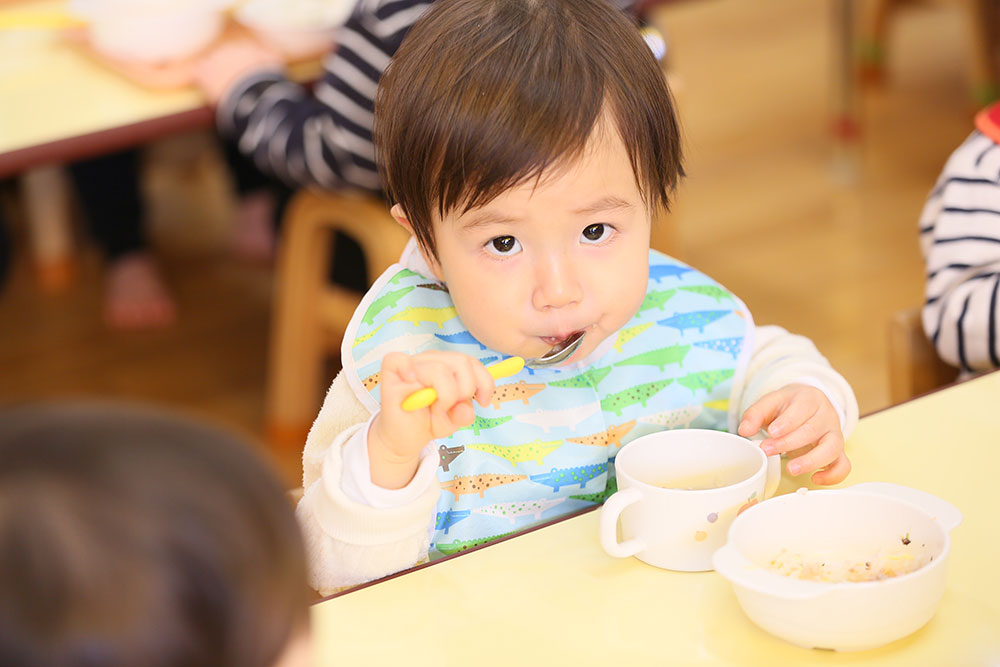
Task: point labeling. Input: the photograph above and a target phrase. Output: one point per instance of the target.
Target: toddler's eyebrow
(483, 219)
(608, 203)
(486, 218)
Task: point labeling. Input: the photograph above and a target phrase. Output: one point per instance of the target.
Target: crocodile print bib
(545, 444)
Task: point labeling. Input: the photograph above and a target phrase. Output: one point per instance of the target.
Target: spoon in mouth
(559, 352)
(502, 369)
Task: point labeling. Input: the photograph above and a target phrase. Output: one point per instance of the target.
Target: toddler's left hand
(800, 417)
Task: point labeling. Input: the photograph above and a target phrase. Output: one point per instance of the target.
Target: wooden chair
(982, 22)
(46, 193)
(914, 366)
(311, 314)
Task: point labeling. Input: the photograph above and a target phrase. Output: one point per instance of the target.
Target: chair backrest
(914, 366)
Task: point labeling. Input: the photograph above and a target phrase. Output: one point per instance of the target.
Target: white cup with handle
(678, 492)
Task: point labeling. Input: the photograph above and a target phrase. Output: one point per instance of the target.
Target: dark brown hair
(134, 538)
(484, 95)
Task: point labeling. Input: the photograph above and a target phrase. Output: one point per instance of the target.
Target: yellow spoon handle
(506, 368)
(424, 397)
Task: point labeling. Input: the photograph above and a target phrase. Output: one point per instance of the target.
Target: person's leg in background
(110, 194)
(261, 205)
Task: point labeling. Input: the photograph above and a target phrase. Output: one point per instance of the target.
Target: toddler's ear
(400, 216)
(397, 212)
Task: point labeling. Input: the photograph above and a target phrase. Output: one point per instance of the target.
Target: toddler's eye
(504, 245)
(596, 233)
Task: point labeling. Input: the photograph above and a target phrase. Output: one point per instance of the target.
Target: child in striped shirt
(960, 240)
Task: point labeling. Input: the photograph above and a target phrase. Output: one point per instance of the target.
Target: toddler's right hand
(397, 436)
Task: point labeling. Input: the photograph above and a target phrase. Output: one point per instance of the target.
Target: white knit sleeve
(341, 410)
(780, 358)
(347, 540)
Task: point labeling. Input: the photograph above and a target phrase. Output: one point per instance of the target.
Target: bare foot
(135, 296)
(253, 233)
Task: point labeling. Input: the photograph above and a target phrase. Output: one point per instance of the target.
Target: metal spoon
(558, 353)
(510, 366)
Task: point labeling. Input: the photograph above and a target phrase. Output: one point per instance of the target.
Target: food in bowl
(849, 525)
(882, 564)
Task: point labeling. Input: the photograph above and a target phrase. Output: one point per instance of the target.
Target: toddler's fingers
(399, 367)
(826, 451)
(761, 413)
(397, 362)
(835, 472)
(461, 415)
(445, 421)
(464, 375)
(485, 384)
(471, 377)
(803, 436)
(794, 414)
(467, 370)
(443, 380)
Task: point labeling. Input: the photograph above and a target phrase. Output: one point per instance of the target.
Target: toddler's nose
(558, 284)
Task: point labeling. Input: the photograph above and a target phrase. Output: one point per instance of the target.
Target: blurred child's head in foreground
(132, 538)
(527, 144)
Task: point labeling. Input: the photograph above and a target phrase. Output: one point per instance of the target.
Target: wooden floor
(770, 208)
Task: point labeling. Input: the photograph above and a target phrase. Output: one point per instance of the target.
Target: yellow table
(552, 597)
(59, 103)
(54, 96)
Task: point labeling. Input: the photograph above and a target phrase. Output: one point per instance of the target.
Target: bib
(545, 445)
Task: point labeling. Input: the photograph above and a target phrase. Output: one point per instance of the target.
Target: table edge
(585, 510)
(103, 142)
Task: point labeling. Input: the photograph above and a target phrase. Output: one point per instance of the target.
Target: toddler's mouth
(559, 338)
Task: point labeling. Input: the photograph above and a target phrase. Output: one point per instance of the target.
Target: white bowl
(297, 28)
(852, 523)
(151, 31)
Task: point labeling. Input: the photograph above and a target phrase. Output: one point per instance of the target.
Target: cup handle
(773, 478)
(610, 512)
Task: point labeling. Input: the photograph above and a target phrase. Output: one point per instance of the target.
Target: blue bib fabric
(545, 445)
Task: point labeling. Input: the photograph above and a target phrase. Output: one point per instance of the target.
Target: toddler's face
(545, 260)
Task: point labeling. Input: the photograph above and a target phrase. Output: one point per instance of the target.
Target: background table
(553, 597)
(60, 104)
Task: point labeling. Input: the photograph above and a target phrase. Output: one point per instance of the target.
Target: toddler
(527, 146)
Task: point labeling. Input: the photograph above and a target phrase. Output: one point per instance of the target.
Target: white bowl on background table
(297, 28)
(151, 31)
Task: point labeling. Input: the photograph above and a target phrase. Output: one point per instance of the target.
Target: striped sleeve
(323, 138)
(960, 240)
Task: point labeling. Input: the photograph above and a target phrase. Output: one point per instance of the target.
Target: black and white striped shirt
(324, 138)
(960, 240)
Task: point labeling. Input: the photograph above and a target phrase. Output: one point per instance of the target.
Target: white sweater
(355, 531)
